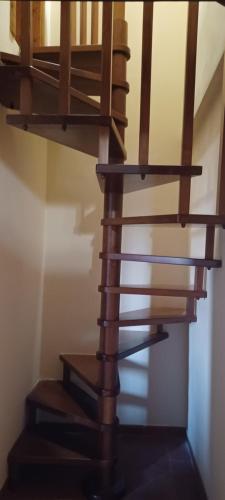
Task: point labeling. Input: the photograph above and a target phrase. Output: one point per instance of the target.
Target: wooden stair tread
(162, 290)
(80, 132)
(32, 448)
(45, 93)
(51, 396)
(135, 341)
(198, 219)
(161, 259)
(150, 316)
(139, 177)
(85, 366)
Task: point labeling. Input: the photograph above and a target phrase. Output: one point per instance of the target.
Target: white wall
(154, 387)
(206, 364)
(22, 197)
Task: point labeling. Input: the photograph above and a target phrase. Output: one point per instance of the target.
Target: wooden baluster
(145, 82)
(189, 95)
(106, 82)
(221, 178)
(94, 22)
(65, 58)
(199, 278)
(120, 36)
(26, 57)
(83, 23)
(73, 23)
(209, 244)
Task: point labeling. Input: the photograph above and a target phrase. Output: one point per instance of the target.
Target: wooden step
(161, 259)
(50, 395)
(160, 291)
(134, 341)
(33, 448)
(144, 176)
(150, 316)
(80, 132)
(198, 219)
(45, 93)
(88, 368)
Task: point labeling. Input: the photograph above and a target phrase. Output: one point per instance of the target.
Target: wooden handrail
(94, 22)
(26, 57)
(189, 95)
(145, 82)
(83, 22)
(65, 57)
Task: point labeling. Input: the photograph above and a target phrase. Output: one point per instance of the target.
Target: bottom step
(36, 448)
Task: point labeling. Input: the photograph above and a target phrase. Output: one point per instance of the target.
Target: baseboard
(197, 472)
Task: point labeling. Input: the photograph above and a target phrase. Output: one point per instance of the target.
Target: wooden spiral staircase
(52, 88)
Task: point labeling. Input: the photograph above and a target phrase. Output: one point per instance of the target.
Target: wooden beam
(65, 57)
(189, 95)
(83, 22)
(145, 82)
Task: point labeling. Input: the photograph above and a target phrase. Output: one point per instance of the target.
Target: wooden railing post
(145, 82)
(221, 177)
(189, 95)
(65, 57)
(26, 57)
(94, 22)
(106, 80)
(83, 22)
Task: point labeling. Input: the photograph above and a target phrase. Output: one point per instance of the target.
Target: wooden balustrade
(65, 57)
(106, 78)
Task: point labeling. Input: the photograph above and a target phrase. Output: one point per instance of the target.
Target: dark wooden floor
(156, 466)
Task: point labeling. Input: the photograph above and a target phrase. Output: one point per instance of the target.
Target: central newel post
(113, 68)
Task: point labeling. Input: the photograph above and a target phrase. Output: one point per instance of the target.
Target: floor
(156, 465)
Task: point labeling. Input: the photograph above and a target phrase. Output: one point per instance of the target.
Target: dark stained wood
(162, 291)
(86, 367)
(46, 89)
(221, 174)
(50, 395)
(106, 78)
(161, 259)
(83, 22)
(31, 448)
(176, 170)
(65, 57)
(134, 341)
(189, 95)
(79, 132)
(26, 56)
(198, 219)
(151, 316)
(199, 279)
(210, 240)
(94, 22)
(145, 82)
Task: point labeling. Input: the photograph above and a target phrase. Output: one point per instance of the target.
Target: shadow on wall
(206, 358)
(72, 266)
(22, 191)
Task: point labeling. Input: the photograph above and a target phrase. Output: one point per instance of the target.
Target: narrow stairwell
(52, 90)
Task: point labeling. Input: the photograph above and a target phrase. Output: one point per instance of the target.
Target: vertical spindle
(65, 57)
(26, 57)
(145, 82)
(189, 96)
(106, 80)
(221, 178)
(94, 22)
(83, 22)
